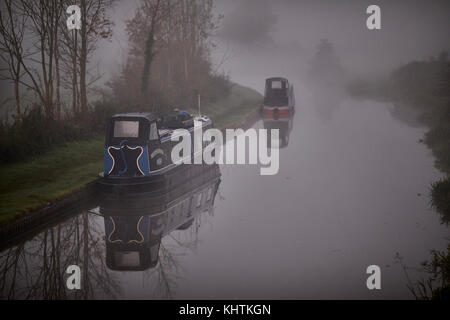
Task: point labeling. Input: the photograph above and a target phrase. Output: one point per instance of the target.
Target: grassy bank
(26, 186)
(241, 102)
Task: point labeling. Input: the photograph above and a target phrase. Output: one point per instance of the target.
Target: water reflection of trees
(36, 269)
(164, 278)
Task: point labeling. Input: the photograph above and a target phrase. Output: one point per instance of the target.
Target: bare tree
(44, 18)
(69, 53)
(53, 57)
(143, 30)
(95, 25)
(12, 30)
(169, 52)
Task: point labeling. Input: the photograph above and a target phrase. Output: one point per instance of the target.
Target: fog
(288, 32)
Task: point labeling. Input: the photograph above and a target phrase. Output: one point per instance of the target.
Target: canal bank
(33, 192)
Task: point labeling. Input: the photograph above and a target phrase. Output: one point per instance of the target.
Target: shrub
(440, 198)
(34, 133)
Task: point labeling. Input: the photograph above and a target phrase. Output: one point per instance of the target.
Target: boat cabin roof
(142, 133)
(147, 116)
(276, 84)
(277, 79)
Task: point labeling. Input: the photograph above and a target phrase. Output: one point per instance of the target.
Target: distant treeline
(420, 94)
(54, 93)
(422, 86)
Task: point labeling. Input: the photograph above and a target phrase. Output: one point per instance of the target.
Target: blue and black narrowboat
(138, 149)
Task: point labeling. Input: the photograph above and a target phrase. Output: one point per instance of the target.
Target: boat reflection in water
(135, 223)
(126, 236)
(283, 122)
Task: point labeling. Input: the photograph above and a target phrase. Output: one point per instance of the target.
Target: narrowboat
(138, 149)
(279, 99)
(134, 230)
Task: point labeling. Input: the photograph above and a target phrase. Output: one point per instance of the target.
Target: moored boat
(138, 149)
(279, 99)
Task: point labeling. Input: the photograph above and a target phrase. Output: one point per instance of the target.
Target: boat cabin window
(276, 85)
(153, 132)
(126, 129)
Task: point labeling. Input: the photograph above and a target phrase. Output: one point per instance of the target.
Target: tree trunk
(147, 63)
(83, 60)
(17, 90)
(57, 71)
(74, 73)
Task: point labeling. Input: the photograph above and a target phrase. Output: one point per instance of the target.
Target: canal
(352, 191)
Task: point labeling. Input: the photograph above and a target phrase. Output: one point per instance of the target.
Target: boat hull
(131, 194)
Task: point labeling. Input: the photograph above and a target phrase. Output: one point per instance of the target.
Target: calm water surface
(352, 191)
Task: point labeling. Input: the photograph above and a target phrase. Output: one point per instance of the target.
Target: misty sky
(410, 30)
(265, 37)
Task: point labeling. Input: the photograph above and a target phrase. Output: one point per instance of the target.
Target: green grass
(27, 186)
